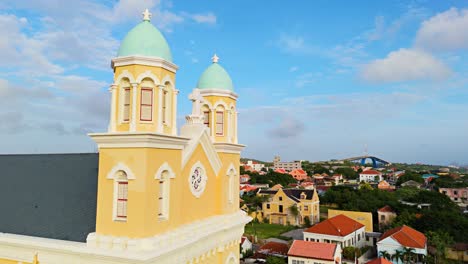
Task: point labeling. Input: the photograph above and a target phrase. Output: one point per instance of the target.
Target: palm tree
(384, 254)
(408, 254)
(398, 256)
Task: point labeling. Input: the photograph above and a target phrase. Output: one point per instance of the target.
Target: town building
(457, 252)
(245, 245)
(385, 186)
(307, 252)
(151, 194)
(274, 249)
(340, 230)
(412, 184)
(385, 216)
(457, 195)
(364, 218)
(245, 178)
(291, 206)
(370, 176)
(256, 166)
(379, 261)
(298, 174)
(400, 238)
(287, 166)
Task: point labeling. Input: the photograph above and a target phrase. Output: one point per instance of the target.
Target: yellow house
(162, 197)
(364, 218)
(291, 206)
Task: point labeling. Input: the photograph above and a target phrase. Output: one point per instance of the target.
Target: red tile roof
(379, 261)
(314, 250)
(371, 172)
(283, 171)
(271, 248)
(339, 225)
(406, 236)
(386, 209)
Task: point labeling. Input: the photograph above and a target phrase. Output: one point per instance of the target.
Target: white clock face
(197, 181)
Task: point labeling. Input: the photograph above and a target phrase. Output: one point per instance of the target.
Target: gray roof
(49, 195)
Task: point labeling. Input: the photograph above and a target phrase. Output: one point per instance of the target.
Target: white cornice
(229, 148)
(142, 60)
(179, 245)
(219, 92)
(138, 140)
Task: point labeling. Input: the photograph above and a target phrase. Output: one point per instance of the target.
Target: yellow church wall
(142, 220)
(8, 261)
(151, 126)
(228, 159)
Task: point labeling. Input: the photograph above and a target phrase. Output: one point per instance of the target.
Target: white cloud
(294, 44)
(293, 69)
(208, 18)
(444, 31)
(405, 65)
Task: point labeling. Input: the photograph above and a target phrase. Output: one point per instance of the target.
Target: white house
(245, 244)
(254, 165)
(306, 252)
(403, 237)
(340, 230)
(370, 176)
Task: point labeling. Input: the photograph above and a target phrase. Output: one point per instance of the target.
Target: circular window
(197, 181)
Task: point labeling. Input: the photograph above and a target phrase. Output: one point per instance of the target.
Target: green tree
(275, 260)
(306, 221)
(398, 256)
(410, 175)
(440, 241)
(384, 254)
(348, 173)
(294, 211)
(408, 254)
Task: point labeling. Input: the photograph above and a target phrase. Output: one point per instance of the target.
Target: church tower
(164, 197)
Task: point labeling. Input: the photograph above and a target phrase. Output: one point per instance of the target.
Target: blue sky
(317, 79)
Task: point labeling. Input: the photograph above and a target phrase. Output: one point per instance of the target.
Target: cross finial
(146, 15)
(215, 58)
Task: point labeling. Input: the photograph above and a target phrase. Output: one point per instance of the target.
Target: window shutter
(122, 198)
(126, 104)
(146, 108)
(219, 123)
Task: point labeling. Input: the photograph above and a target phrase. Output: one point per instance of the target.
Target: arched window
(146, 101)
(220, 121)
(164, 176)
(206, 115)
(125, 100)
(163, 196)
(121, 197)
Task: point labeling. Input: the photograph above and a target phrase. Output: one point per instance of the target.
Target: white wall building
(255, 165)
(403, 237)
(306, 252)
(370, 176)
(340, 230)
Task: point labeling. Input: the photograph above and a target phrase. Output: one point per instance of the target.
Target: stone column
(134, 107)
(113, 116)
(160, 112)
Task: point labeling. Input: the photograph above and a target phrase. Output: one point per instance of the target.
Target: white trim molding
(229, 148)
(219, 92)
(205, 238)
(150, 75)
(231, 259)
(124, 74)
(164, 167)
(198, 134)
(231, 167)
(143, 60)
(138, 140)
(121, 167)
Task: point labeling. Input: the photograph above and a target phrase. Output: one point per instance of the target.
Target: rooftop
(339, 225)
(406, 236)
(314, 250)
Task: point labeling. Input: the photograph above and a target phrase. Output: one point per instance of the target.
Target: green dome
(145, 40)
(215, 77)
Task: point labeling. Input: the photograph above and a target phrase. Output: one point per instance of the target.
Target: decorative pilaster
(236, 115)
(213, 123)
(174, 112)
(229, 125)
(160, 112)
(113, 117)
(134, 107)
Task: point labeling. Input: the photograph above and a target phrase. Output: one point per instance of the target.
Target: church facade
(161, 196)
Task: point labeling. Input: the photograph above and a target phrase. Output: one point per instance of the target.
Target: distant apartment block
(256, 166)
(457, 195)
(370, 176)
(287, 166)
